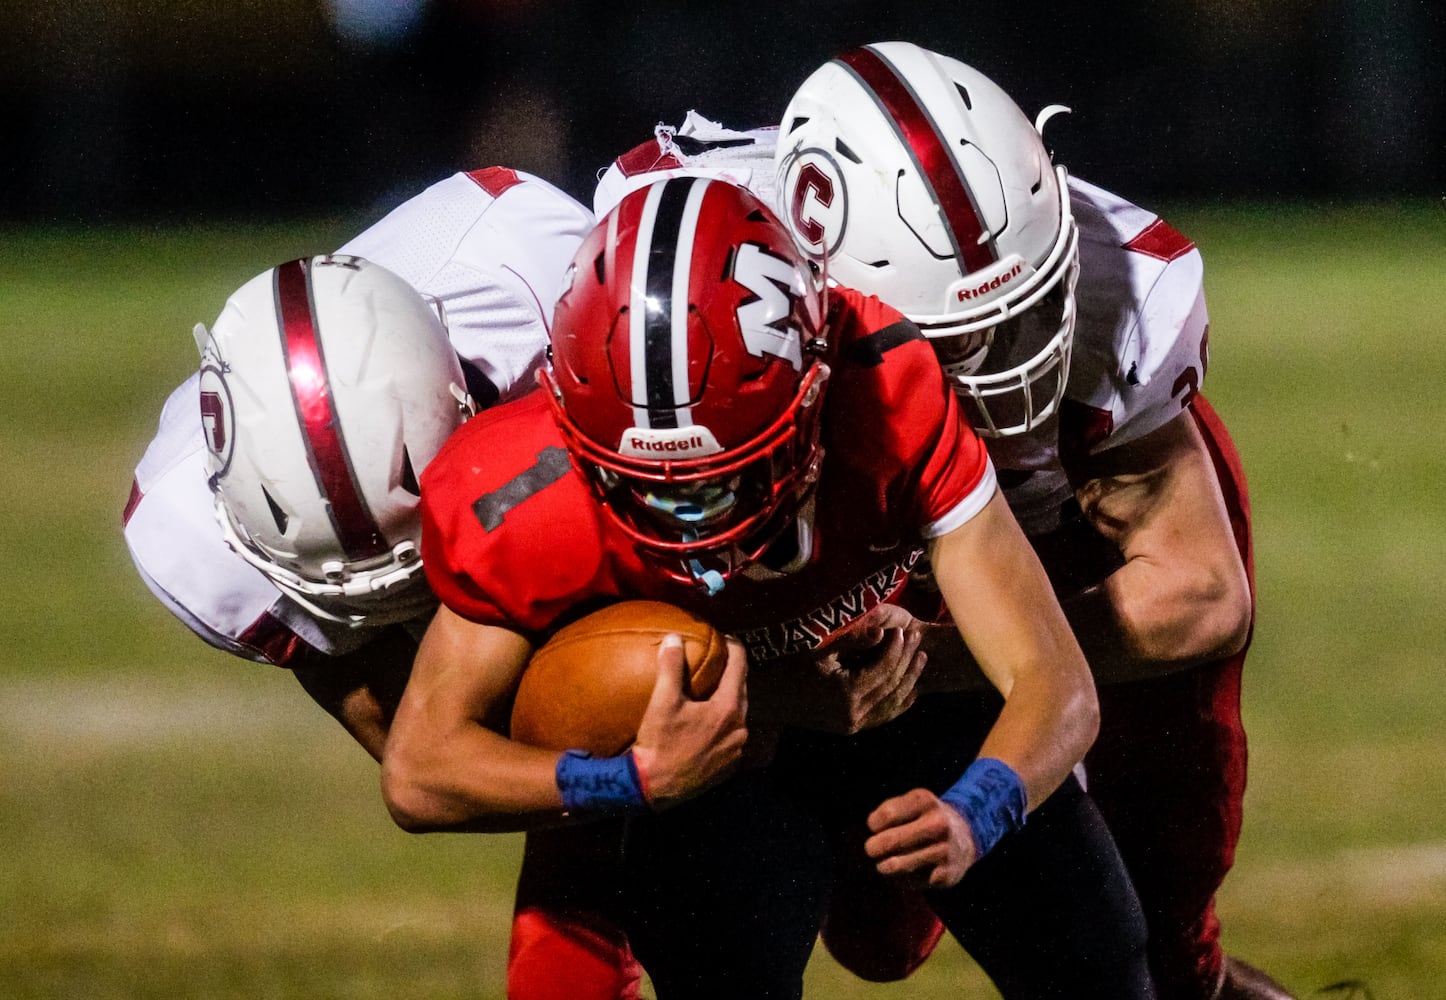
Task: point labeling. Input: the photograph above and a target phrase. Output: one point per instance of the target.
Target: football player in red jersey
(711, 434)
(1072, 325)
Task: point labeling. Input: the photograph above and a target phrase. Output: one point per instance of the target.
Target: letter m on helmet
(766, 320)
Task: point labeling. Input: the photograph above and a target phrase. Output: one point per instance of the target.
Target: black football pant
(724, 895)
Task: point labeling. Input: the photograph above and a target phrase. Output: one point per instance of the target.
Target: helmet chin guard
(1031, 340)
(765, 481)
(920, 181)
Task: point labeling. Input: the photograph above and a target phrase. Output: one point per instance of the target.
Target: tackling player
(1073, 327)
(293, 574)
(710, 436)
(489, 246)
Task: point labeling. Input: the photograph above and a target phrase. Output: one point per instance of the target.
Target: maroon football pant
(1168, 773)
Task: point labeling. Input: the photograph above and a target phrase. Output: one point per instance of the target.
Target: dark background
(191, 110)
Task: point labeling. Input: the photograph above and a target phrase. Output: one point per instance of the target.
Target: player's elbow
(1228, 612)
(1075, 709)
(1200, 612)
(408, 797)
(1083, 711)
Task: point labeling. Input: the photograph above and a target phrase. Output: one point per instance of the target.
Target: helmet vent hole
(844, 151)
(795, 124)
(756, 216)
(277, 514)
(599, 266)
(409, 475)
(964, 95)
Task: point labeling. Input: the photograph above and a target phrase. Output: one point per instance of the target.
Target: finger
(912, 638)
(921, 834)
(908, 685)
(883, 674)
(828, 665)
(899, 701)
(899, 810)
(672, 667)
(858, 639)
(942, 877)
(917, 865)
(889, 616)
(735, 672)
(915, 870)
(900, 656)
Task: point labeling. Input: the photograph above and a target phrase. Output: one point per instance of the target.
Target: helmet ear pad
(327, 385)
(685, 377)
(921, 182)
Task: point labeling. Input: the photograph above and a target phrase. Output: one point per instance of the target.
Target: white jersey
(1139, 350)
(493, 246)
(699, 147)
(1139, 355)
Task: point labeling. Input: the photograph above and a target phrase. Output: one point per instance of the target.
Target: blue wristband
(591, 785)
(991, 799)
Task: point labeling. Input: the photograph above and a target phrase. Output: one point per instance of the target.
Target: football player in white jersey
(260, 568)
(1073, 326)
(490, 248)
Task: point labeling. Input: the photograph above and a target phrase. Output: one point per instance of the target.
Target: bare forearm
(1001, 602)
(1165, 635)
(361, 689)
(1144, 622)
(1181, 596)
(470, 781)
(447, 765)
(1070, 720)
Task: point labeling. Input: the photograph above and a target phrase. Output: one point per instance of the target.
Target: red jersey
(513, 536)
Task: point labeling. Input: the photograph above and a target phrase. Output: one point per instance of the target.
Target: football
(586, 688)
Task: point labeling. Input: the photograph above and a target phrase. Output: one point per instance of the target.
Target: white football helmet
(920, 181)
(327, 385)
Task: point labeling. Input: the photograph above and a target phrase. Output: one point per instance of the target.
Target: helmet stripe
(973, 245)
(326, 453)
(682, 275)
(658, 327)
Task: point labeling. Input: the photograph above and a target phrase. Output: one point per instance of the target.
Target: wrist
(594, 786)
(991, 798)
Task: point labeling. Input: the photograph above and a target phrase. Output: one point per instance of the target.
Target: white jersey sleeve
(699, 147)
(1140, 346)
(174, 540)
(493, 246)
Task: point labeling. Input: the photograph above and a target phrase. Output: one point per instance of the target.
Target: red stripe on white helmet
(356, 529)
(973, 246)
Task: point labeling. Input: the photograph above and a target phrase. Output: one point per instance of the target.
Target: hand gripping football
(586, 688)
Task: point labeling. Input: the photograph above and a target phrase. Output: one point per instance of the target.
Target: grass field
(176, 823)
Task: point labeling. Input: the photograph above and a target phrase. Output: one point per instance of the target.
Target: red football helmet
(686, 374)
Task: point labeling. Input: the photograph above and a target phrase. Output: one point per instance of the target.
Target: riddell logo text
(643, 444)
(965, 294)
